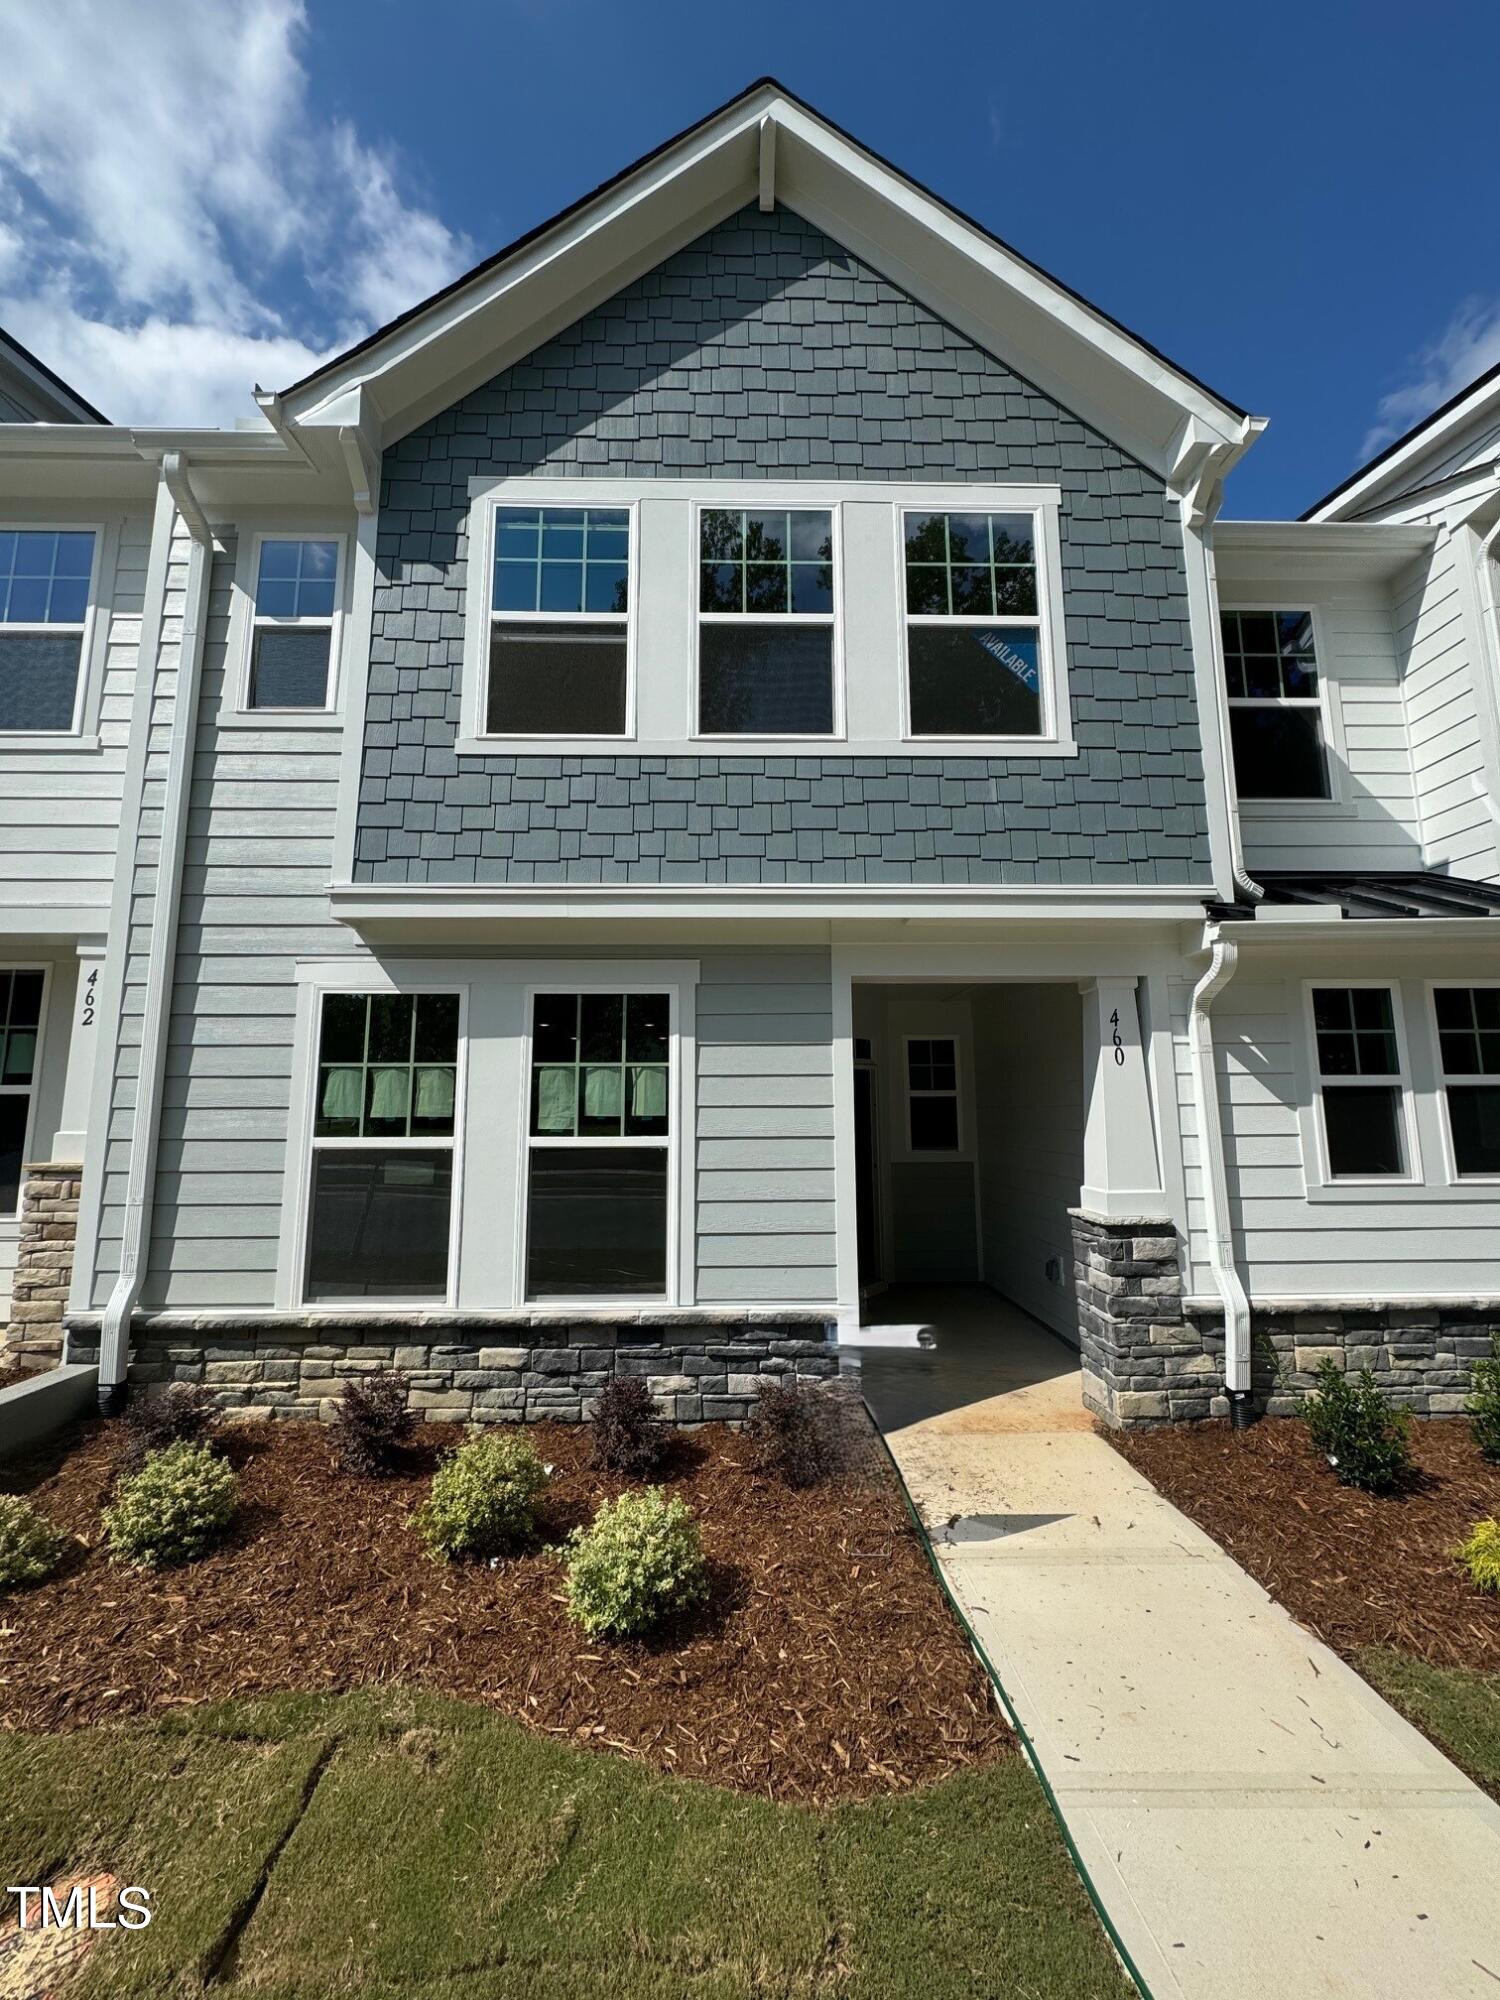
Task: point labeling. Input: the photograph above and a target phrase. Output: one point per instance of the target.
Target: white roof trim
(1393, 469)
(1068, 349)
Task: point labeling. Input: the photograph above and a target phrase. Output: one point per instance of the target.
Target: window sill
(993, 748)
(1419, 1193)
(46, 739)
(279, 718)
(1297, 809)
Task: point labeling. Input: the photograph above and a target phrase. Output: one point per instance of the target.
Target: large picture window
(765, 628)
(1275, 707)
(973, 625)
(559, 622)
(1468, 1024)
(44, 600)
(291, 642)
(381, 1201)
(1361, 1082)
(20, 1027)
(598, 1145)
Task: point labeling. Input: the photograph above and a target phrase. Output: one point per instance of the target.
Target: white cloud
(1465, 349)
(178, 220)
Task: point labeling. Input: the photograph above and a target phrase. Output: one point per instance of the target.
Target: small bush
(185, 1414)
(1480, 1555)
(627, 1434)
(1367, 1442)
(30, 1547)
(371, 1423)
(795, 1434)
(637, 1563)
(1483, 1405)
(483, 1497)
(174, 1509)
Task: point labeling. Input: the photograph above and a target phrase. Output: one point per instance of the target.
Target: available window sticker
(1017, 656)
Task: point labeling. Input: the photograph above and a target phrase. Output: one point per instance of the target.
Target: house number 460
(1114, 1036)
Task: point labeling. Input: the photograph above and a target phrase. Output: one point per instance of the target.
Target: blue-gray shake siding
(764, 350)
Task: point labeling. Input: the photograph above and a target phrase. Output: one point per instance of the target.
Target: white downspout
(114, 1332)
(1489, 645)
(1224, 957)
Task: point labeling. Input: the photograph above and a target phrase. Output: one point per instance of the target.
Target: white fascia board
(1054, 339)
(1424, 934)
(1392, 477)
(1353, 551)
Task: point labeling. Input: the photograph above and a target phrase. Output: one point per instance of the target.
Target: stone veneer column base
(1142, 1363)
(699, 1370)
(44, 1265)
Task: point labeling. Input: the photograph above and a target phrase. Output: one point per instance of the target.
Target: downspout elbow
(1223, 961)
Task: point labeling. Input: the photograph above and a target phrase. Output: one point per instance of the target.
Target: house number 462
(1114, 1036)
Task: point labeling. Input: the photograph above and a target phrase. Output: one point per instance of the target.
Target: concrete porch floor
(991, 1368)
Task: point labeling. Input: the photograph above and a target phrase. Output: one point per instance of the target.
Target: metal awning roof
(1422, 893)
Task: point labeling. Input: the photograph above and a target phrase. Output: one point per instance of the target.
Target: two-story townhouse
(692, 779)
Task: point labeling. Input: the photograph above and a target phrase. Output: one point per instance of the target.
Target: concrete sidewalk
(1256, 1820)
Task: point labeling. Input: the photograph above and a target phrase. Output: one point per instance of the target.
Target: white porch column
(83, 1039)
(1121, 1163)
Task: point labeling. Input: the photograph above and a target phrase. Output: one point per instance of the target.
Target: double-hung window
(45, 575)
(291, 644)
(766, 621)
(381, 1202)
(1361, 1082)
(559, 622)
(1275, 706)
(598, 1145)
(973, 625)
(20, 1026)
(932, 1094)
(1468, 1024)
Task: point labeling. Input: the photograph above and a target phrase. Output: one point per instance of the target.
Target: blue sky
(1295, 202)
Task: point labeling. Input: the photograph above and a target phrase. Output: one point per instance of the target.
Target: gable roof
(769, 144)
(1378, 474)
(31, 381)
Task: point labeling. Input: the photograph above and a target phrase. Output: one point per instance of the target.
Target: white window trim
(234, 710)
(1330, 714)
(291, 1276)
(10, 1219)
(1316, 1167)
(869, 614)
(1441, 1081)
(677, 1109)
(1056, 732)
(955, 1151)
(93, 637)
(734, 500)
(480, 617)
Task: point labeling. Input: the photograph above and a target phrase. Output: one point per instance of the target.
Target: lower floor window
(20, 1023)
(1468, 1020)
(1361, 1082)
(598, 1145)
(381, 1203)
(932, 1095)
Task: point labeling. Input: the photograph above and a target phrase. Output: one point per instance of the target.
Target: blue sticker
(1017, 656)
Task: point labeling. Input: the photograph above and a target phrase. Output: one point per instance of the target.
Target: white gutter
(1224, 957)
(145, 1125)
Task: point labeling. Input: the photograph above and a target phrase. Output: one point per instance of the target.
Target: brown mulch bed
(10, 1376)
(825, 1666)
(1357, 1569)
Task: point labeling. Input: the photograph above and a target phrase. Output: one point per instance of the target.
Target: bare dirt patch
(1359, 1570)
(827, 1665)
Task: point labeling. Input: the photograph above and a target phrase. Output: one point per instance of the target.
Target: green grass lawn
(432, 1850)
(1458, 1709)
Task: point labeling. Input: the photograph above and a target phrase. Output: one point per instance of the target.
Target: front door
(866, 1178)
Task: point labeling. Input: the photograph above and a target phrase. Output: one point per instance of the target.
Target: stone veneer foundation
(44, 1265)
(1142, 1362)
(1418, 1354)
(701, 1368)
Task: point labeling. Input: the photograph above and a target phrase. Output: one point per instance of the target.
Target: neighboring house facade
(693, 778)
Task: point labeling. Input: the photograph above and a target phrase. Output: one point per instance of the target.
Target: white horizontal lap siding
(258, 857)
(1442, 718)
(765, 1185)
(60, 807)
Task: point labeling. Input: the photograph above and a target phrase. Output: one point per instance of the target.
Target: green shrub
(483, 1497)
(1483, 1405)
(1480, 1555)
(1367, 1443)
(174, 1509)
(30, 1547)
(637, 1562)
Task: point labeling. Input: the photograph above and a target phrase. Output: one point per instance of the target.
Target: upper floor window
(1275, 705)
(1361, 1082)
(559, 622)
(1468, 1022)
(291, 646)
(44, 600)
(973, 626)
(766, 623)
(20, 1025)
